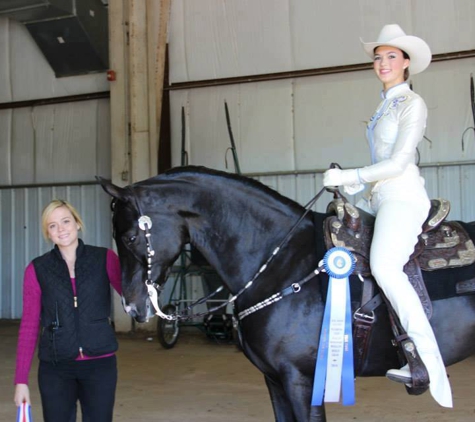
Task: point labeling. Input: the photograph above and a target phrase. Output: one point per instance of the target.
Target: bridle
(145, 224)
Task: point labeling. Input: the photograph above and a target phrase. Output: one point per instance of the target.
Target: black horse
(236, 223)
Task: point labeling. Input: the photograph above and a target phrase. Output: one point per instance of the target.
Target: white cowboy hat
(393, 36)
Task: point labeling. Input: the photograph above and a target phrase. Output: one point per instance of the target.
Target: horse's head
(235, 222)
(146, 253)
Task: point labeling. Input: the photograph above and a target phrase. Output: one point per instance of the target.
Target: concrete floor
(200, 381)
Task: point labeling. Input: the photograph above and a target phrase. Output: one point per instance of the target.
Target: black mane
(176, 172)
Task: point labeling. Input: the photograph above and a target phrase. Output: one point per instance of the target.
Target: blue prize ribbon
(348, 373)
(322, 355)
(339, 263)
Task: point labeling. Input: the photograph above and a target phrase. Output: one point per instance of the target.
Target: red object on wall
(111, 75)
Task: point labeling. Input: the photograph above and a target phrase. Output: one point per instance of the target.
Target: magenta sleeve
(113, 271)
(29, 326)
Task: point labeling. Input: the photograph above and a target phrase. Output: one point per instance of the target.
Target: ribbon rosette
(334, 372)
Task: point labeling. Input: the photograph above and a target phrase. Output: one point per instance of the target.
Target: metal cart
(191, 268)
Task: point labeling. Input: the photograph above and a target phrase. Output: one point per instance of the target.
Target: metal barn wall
(57, 143)
(26, 75)
(22, 239)
(212, 39)
(60, 143)
(46, 152)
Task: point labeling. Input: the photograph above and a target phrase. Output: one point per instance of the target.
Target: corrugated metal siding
(62, 142)
(21, 238)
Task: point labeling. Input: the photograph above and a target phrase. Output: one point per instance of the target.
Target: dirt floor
(199, 380)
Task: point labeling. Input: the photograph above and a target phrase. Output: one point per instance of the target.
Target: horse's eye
(131, 239)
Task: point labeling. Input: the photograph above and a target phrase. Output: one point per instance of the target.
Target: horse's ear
(113, 190)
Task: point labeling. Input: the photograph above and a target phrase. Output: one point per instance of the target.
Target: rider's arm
(411, 127)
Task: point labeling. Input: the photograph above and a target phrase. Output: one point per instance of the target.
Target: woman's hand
(337, 177)
(22, 394)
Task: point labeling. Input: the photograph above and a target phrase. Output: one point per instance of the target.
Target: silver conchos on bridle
(145, 224)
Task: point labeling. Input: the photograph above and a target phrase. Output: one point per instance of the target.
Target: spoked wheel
(167, 331)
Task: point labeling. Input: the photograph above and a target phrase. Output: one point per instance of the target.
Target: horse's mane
(176, 172)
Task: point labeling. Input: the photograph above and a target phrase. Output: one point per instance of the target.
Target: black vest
(67, 329)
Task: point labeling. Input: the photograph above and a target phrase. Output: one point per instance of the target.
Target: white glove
(337, 177)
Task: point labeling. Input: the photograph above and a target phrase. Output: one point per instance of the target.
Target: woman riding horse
(397, 193)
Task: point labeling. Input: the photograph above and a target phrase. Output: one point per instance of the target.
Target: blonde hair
(54, 204)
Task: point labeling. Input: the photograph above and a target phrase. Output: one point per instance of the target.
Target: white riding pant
(401, 209)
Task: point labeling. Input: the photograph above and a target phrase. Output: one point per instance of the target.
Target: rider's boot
(402, 375)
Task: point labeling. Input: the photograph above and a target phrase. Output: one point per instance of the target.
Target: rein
(145, 224)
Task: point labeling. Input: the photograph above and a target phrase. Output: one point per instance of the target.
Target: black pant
(92, 382)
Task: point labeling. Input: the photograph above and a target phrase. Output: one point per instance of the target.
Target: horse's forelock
(123, 215)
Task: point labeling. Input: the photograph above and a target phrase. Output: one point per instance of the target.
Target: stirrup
(419, 382)
(420, 377)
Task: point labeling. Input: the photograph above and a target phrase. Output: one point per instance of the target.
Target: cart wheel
(167, 331)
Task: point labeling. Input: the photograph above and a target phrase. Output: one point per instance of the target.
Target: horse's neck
(237, 230)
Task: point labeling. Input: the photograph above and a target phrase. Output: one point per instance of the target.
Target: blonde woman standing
(67, 302)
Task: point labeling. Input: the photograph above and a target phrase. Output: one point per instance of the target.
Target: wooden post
(158, 52)
(137, 46)
(120, 165)
(138, 91)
